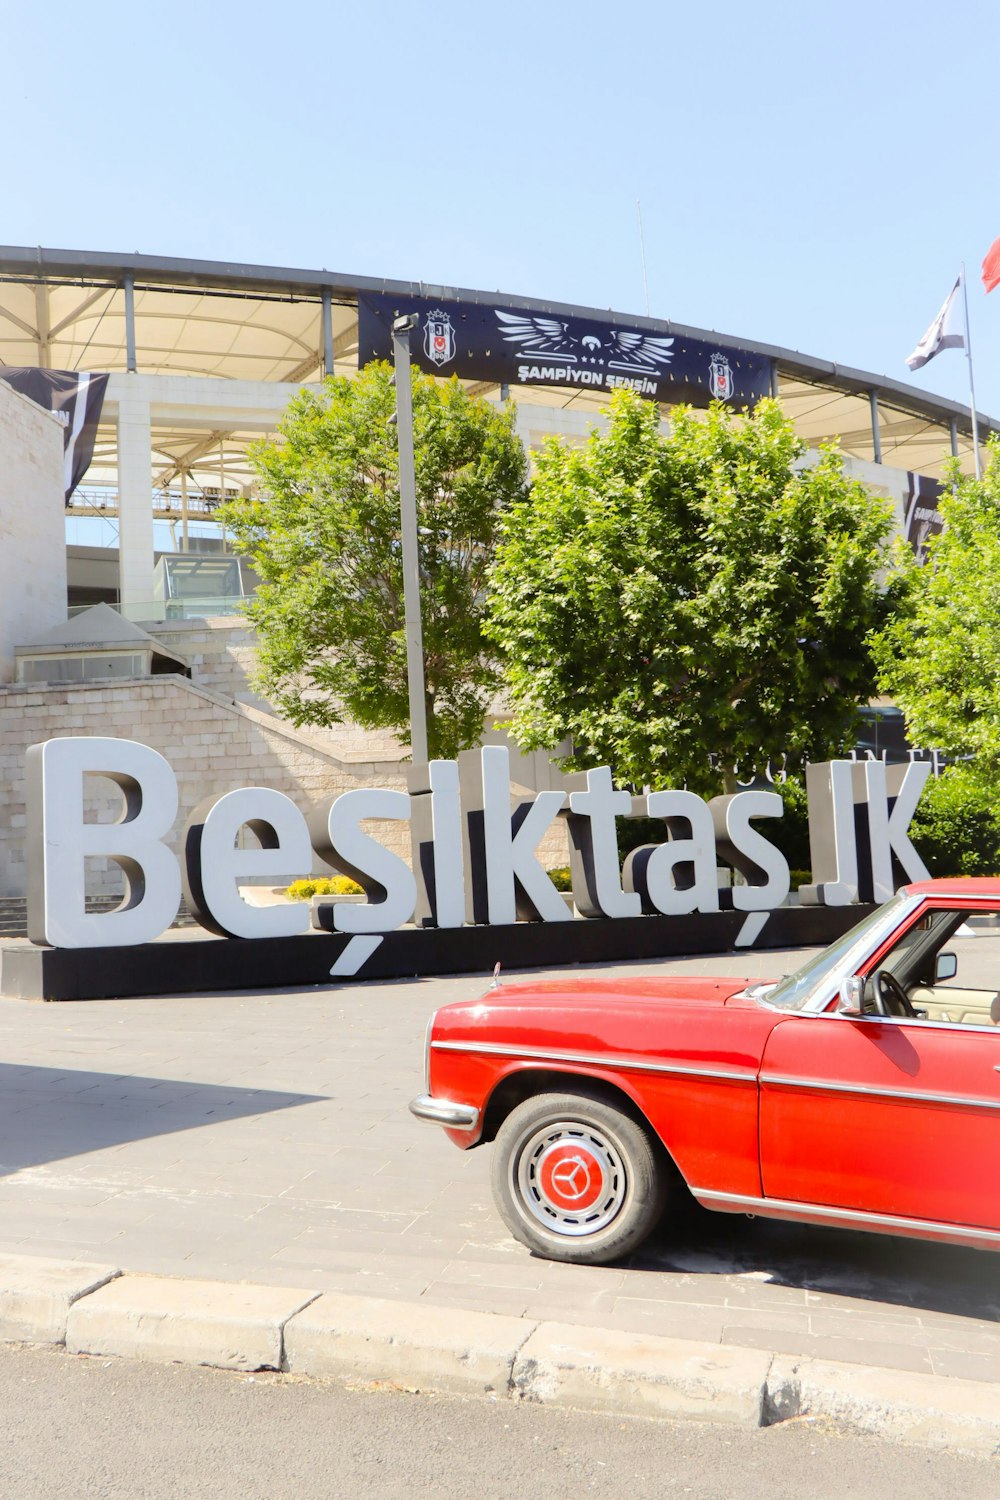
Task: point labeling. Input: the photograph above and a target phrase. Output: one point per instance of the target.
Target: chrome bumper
(443, 1112)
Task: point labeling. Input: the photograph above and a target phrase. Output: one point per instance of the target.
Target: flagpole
(972, 383)
(642, 254)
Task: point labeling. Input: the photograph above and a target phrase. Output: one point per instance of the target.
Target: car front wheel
(574, 1179)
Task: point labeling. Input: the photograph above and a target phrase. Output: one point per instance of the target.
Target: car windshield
(814, 979)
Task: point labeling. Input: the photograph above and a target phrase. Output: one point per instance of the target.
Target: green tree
(956, 827)
(325, 541)
(661, 600)
(939, 656)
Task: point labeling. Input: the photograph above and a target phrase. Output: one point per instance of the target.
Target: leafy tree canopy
(939, 657)
(662, 600)
(325, 542)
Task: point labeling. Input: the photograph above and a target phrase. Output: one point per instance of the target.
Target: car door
(883, 1116)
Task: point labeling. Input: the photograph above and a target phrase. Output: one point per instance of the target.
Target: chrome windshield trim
(759, 991)
(843, 1215)
(444, 1112)
(596, 1060)
(828, 1086)
(894, 915)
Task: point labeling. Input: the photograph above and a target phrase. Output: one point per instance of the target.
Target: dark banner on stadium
(77, 399)
(505, 346)
(922, 519)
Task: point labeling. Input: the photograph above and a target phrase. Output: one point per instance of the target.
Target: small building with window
(97, 645)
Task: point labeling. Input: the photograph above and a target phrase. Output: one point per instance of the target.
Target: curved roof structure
(80, 310)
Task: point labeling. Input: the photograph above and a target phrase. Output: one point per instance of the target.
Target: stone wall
(221, 653)
(212, 746)
(32, 525)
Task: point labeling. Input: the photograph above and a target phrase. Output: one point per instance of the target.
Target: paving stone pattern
(265, 1137)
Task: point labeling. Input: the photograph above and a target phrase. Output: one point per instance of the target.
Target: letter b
(59, 842)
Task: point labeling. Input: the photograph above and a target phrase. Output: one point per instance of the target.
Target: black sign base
(206, 964)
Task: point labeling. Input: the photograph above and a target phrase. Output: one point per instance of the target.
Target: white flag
(945, 332)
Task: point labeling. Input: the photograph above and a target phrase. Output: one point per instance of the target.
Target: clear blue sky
(811, 174)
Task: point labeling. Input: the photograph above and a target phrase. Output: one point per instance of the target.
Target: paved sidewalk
(265, 1138)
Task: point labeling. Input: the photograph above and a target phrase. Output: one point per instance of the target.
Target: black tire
(575, 1179)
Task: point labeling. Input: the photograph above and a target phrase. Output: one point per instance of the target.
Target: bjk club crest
(720, 378)
(439, 337)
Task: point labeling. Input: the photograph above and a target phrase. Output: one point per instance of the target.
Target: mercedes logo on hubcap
(571, 1178)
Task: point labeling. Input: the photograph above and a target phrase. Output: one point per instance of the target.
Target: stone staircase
(14, 914)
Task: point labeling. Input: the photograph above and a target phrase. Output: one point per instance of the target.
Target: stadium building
(159, 373)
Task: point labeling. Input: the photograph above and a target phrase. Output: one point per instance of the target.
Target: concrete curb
(439, 1348)
(232, 1326)
(92, 1309)
(600, 1369)
(960, 1415)
(36, 1294)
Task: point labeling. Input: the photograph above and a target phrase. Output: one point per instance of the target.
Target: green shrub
(560, 878)
(790, 832)
(323, 885)
(956, 827)
(634, 832)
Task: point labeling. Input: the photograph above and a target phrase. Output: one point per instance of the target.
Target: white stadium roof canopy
(80, 310)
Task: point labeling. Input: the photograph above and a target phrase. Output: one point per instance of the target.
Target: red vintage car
(862, 1090)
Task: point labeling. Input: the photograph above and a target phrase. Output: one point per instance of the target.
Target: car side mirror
(945, 967)
(852, 996)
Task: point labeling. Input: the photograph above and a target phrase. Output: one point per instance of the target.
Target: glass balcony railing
(191, 607)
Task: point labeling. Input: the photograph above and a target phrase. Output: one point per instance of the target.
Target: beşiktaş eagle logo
(535, 335)
(439, 337)
(639, 353)
(720, 378)
(631, 352)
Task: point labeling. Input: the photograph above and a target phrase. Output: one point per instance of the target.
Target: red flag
(991, 267)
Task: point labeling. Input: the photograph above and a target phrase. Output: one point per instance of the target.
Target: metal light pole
(401, 330)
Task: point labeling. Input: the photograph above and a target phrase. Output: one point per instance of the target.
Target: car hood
(682, 1018)
(695, 989)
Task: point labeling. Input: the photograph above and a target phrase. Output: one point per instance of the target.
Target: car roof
(958, 885)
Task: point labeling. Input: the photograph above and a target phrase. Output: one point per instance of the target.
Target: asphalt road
(73, 1426)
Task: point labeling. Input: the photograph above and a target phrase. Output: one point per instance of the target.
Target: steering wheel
(890, 997)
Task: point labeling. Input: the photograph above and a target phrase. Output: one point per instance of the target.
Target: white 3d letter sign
(679, 876)
(475, 849)
(60, 841)
(213, 863)
(837, 790)
(386, 879)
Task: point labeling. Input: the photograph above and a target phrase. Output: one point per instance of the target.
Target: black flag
(78, 399)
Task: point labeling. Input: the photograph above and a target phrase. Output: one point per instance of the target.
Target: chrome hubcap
(571, 1178)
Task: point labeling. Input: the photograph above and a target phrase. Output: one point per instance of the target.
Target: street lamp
(402, 327)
